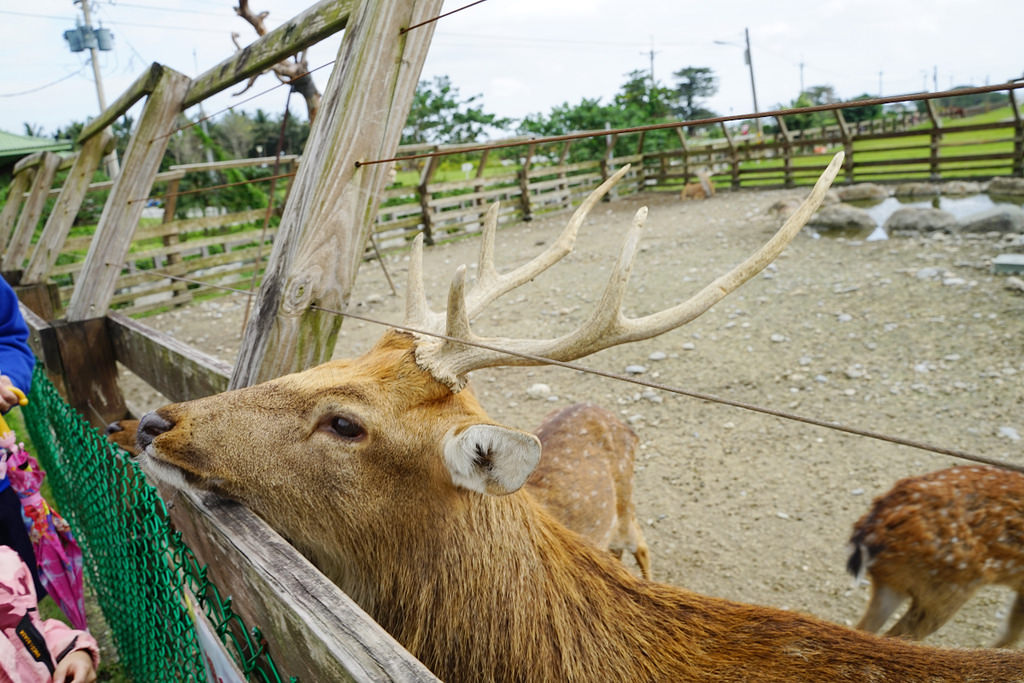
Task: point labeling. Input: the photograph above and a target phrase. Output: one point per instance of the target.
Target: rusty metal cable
(439, 16)
(698, 122)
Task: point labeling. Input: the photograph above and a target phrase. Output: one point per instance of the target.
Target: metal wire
(698, 122)
(440, 16)
(711, 398)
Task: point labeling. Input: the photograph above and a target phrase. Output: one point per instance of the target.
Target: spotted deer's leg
(884, 601)
(1014, 624)
(928, 613)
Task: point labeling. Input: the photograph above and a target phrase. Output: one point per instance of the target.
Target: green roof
(14, 146)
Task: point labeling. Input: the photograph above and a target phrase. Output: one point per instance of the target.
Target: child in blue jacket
(16, 363)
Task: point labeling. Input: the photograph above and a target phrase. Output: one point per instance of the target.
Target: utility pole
(110, 161)
(754, 90)
(801, 78)
(750, 64)
(651, 54)
(879, 83)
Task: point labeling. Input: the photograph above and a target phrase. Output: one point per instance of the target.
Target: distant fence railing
(228, 249)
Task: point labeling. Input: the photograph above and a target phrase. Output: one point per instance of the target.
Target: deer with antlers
(936, 539)
(387, 473)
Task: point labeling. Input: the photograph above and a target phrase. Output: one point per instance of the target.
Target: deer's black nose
(151, 426)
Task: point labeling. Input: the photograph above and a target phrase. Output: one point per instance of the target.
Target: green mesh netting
(135, 562)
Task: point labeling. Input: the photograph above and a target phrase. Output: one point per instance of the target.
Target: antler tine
(417, 312)
(450, 362)
(490, 285)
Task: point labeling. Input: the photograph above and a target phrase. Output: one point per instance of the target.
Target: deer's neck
(508, 594)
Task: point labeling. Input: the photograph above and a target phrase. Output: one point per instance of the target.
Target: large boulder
(862, 191)
(960, 188)
(916, 190)
(1006, 186)
(843, 217)
(1004, 218)
(919, 219)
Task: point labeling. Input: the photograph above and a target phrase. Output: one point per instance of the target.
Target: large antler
(449, 361)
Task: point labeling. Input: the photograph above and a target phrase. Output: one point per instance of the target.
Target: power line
(44, 87)
(157, 8)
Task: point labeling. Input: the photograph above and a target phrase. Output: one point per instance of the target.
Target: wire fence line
(833, 425)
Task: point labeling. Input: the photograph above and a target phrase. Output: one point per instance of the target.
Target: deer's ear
(491, 459)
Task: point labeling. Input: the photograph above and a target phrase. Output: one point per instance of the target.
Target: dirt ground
(910, 336)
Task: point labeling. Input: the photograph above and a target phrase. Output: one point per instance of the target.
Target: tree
(693, 82)
(440, 115)
(865, 113)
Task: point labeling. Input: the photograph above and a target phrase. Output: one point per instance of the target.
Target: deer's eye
(344, 427)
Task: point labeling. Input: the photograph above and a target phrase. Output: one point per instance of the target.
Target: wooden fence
(69, 283)
(229, 249)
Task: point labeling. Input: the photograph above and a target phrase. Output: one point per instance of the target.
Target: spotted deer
(585, 478)
(935, 539)
(387, 473)
(702, 188)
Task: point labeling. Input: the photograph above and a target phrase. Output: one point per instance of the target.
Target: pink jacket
(31, 646)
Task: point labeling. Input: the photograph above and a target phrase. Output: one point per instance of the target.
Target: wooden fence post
(525, 201)
(17, 249)
(936, 140)
(423, 191)
(844, 131)
(58, 225)
(123, 209)
(1018, 136)
(15, 199)
(787, 152)
(686, 155)
(328, 219)
(179, 290)
(734, 158)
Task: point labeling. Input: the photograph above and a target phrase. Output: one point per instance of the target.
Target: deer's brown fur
(352, 462)
(702, 188)
(935, 539)
(585, 478)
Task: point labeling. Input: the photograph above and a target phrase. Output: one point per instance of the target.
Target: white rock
(539, 390)
(1010, 433)
(657, 355)
(635, 369)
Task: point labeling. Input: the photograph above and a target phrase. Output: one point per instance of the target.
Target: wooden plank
(175, 369)
(231, 164)
(123, 209)
(42, 339)
(142, 86)
(318, 22)
(312, 629)
(17, 249)
(15, 200)
(327, 220)
(90, 373)
(58, 225)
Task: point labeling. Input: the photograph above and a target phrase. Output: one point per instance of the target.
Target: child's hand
(8, 399)
(75, 668)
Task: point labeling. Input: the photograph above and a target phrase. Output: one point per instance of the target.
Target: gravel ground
(911, 336)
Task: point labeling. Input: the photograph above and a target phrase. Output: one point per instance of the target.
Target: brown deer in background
(935, 539)
(702, 188)
(385, 471)
(585, 478)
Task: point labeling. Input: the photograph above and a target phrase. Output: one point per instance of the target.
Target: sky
(527, 56)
